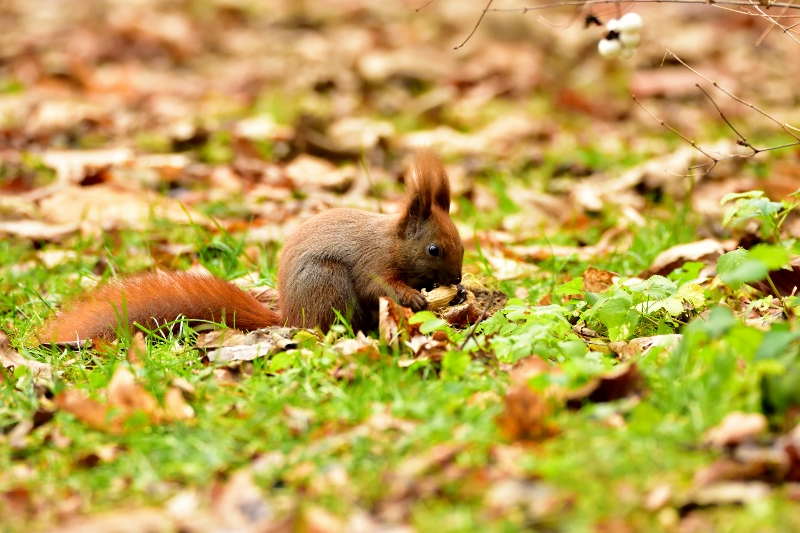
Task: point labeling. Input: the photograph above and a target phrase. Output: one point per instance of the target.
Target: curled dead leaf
(706, 251)
(595, 280)
(525, 416)
(642, 345)
(360, 345)
(735, 428)
(393, 321)
(91, 412)
(622, 381)
(11, 359)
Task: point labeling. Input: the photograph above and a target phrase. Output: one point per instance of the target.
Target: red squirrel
(341, 259)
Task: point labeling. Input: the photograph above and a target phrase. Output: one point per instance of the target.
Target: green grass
(595, 467)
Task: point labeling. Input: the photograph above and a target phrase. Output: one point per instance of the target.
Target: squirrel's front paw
(415, 301)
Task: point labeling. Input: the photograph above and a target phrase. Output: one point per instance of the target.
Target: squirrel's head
(431, 250)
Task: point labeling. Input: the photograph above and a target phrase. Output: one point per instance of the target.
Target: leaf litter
(165, 114)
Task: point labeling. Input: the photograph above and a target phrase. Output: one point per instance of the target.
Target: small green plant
(742, 266)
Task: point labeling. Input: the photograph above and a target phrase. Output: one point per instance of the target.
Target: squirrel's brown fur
(342, 259)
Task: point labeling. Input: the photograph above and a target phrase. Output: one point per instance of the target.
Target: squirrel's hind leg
(314, 291)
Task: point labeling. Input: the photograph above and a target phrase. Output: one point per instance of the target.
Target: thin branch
(676, 132)
(700, 149)
(772, 20)
(744, 142)
(748, 104)
(483, 14)
(475, 326)
(423, 6)
(766, 32)
(568, 3)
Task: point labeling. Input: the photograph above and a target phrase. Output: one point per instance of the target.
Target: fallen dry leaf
(118, 521)
(706, 251)
(642, 345)
(36, 230)
(622, 381)
(11, 359)
(72, 166)
(360, 345)
(731, 492)
(237, 346)
(175, 406)
(129, 396)
(239, 505)
(525, 416)
(93, 413)
(114, 205)
(735, 428)
(595, 280)
(538, 500)
(393, 321)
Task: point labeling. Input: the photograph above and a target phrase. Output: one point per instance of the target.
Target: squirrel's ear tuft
(429, 179)
(427, 186)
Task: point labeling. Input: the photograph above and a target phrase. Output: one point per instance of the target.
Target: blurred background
(269, 111)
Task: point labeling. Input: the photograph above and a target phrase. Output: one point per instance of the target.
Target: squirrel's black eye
(433, 250)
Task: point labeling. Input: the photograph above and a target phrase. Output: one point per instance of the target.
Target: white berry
(612, 25)
(627, 53)
(630, 40)
(609, 48)
(630, 23)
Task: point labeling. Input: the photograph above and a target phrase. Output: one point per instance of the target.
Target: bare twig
(775, 22)
(714, 155)
(785, 128)
(766, 32)
(744, 142)
(475, 326)
(568, 3)
(480, 19)
(696, 146)
(423, 6)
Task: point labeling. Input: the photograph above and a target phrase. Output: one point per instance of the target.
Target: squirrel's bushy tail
(154, 299)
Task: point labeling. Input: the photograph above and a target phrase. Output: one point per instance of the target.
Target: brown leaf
(642, 345)
(393, 321)
(114, 205)
(622, 381)
(787, 281)
(463, 315)
(237, 346)
(125, 393)
(360, 345)
(11, 359)
(119, 521)
(240, 505)
(91, 412)
(536, 499)
(658, 497)
(706, 251)
(266, 296)
(728, 470)
(735, 428)
(137, 351)
(731, 492)
(72, 166)
(175, 406)
(525, 415)
(309, 172)
(38, 231)
(595, 280)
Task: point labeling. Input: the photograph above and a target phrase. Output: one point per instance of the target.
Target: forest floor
(635, 367)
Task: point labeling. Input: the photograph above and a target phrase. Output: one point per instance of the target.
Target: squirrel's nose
(455, 280)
